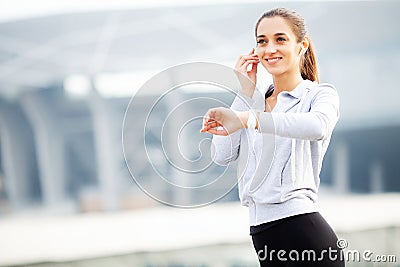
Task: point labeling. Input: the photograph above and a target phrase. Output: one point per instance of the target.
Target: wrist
(243, 117)
(252, 119)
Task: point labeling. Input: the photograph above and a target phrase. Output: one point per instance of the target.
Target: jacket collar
(298, 91)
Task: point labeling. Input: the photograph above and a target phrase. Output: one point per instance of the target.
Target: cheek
(260, 53)
(294, 52)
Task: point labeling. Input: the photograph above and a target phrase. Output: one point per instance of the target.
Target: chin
(274, 71)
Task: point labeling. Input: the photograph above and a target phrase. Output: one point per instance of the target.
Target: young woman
(299, 113)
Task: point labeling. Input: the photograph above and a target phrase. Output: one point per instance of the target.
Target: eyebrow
(276, 34)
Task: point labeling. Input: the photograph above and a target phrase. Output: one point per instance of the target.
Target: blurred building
(62, 145)
(61, 120)
(69, 69)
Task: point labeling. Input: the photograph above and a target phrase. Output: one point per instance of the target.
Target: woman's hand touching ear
(247, 78)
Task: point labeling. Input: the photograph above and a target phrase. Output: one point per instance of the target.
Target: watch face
(251, 122)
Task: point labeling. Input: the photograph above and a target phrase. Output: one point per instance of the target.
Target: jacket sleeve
(225, 149)
(317, 124)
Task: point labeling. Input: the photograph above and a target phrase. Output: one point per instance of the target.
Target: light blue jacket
(279, 164)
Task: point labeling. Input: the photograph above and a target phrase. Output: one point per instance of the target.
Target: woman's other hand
(229, 120)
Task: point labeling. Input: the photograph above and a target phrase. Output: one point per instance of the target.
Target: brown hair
(308, 63)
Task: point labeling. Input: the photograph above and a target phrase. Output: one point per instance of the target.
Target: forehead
(270, 26)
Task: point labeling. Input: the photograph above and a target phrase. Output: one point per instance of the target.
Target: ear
(304, 45)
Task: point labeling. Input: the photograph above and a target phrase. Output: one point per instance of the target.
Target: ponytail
(308, 64)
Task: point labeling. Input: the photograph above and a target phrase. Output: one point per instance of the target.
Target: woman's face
(277, 47)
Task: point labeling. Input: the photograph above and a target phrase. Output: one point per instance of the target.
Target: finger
(218, 132)
(253, 53)
(248, 57)
(208, 127)
(205, 126)
(209, 120)
(204, 123)
(207, 116)
(243, 58)
(203, 130)
(247, 60)
(211, 125)
(243, 67)
(206, 120)
(247, 63)
(254, 67)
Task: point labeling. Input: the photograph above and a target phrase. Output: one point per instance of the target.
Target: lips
(273, 59)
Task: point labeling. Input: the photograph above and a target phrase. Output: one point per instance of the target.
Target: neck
(286, 82)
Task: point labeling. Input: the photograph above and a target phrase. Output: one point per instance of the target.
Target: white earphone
(302, 51)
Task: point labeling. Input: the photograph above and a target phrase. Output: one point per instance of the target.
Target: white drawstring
(293, 152)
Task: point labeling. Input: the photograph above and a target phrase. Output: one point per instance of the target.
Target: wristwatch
(252, 120)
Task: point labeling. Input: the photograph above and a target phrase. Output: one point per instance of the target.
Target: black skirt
(300, 240)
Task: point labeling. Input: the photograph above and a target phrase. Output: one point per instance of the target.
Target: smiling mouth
(273, 59)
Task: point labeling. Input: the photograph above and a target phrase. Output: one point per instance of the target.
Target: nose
(270, 48)
(267, 49)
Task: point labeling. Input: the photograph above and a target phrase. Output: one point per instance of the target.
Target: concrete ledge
(30, 239)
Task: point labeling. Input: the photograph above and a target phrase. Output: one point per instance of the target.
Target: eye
(261, 41)
(281, 39)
